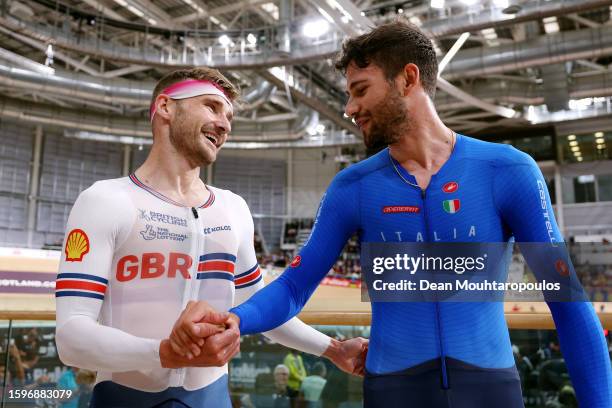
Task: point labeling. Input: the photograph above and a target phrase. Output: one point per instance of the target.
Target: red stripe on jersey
(224, 266)
(75, 284)
(248, 278)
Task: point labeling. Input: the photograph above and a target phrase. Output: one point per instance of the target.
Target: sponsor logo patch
(77, 245)
(395, 209)
(450, 187)
(451, 206)
(296, 262)
(210, 230)
(152, 216)
(152, 232)
(562, 268)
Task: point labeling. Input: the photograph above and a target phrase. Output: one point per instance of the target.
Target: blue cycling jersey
(485, 192)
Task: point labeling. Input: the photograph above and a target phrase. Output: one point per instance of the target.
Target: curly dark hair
(391, 46)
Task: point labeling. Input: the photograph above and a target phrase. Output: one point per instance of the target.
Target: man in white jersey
(144, 251)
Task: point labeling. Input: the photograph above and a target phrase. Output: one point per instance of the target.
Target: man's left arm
(524, 204)
(294, 333)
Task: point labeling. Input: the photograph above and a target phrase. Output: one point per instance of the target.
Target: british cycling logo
(152, 216)
(150, 233)
(210, 230)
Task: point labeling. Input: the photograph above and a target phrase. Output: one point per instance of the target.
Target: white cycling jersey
(132, 260)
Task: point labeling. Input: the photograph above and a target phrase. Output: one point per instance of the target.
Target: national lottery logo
(152, 232)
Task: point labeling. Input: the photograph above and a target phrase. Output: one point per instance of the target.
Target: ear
(409, 78)
(165, 106)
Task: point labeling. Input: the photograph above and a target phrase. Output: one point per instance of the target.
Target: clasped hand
(204, 337)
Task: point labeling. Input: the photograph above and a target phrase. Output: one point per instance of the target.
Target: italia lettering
(435, 235)
(153, 265)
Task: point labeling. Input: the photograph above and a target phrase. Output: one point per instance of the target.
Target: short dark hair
(202, 73)
(391, 46)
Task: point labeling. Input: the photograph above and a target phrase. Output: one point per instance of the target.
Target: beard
(186, 139)
(389, 120)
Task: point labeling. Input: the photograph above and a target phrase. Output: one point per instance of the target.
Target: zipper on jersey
(443, 368)
(192, 285)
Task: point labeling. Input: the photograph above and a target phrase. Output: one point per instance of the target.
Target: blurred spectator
(28, 343)
(68, 382)
(313, 385)
(270, 390)
(15, 373)
(335, 392)
(297, 373)
(85, 380)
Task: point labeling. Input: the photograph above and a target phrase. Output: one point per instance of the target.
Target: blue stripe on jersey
(246, 285)
(215, 275)
(82, 276)
(79, 294)
(247, 272)
(218, 256)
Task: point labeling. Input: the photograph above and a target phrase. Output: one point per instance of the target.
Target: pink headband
(190, 88)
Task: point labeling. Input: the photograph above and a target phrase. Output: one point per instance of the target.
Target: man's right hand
(201, 337)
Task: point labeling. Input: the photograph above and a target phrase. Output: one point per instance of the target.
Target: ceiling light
(251, 39)
(345, 19)
(362, 14)
(573, 143)
(601, 147)
(551, 25)
(575, 149)
(600, 141)
(577, 154)
(416, 21)
(599, 134)
(437, 4)
(315, 28)
(224, 40)
(571, 137)
(579, 159)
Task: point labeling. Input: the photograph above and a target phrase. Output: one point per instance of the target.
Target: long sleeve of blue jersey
(337, 219)
(525, 207)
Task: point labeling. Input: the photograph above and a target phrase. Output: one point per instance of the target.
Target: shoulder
(104, 193)
(230, 200)
(357, 172)
(495, 154)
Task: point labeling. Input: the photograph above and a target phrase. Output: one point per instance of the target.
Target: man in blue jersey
(430, 185)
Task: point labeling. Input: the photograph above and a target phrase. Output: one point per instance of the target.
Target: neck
(167, 171)
(427, 144)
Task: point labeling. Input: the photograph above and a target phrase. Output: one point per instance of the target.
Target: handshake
(204, 337)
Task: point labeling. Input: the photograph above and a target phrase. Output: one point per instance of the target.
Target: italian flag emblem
(451, 206)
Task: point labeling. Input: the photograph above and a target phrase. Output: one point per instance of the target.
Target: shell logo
(77, 245)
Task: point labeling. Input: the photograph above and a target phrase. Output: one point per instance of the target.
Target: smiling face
(376, 105)
(199, 128)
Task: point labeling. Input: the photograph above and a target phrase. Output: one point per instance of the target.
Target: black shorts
(422, 387)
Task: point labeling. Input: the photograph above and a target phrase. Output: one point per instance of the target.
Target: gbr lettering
(153, 265)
